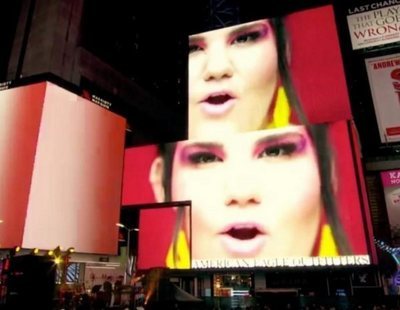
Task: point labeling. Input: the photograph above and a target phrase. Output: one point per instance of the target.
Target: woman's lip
(243, 225)
(217, 109)
(247, 248)
(218, 103)
(243, 239)
(219, 93)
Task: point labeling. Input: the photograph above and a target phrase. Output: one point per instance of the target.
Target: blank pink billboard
(75, 184)
(20, 114)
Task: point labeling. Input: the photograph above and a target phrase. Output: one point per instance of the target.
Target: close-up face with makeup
(254, 195)
(233, 77)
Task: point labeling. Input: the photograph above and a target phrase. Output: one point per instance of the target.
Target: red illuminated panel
(20, 115)
(317, 68)
(155, 235)
(393, 131)
(76, 183)
(136, 172)
(349, 201)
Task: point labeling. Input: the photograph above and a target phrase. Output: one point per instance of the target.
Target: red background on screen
(317, 65)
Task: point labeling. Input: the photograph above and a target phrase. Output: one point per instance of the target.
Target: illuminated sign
(384, 80)
(374, 24)
(350, 260)
(260, 166)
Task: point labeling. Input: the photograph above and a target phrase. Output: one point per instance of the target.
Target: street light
(128, 245)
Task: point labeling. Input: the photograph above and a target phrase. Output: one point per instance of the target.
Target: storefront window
(229, 285)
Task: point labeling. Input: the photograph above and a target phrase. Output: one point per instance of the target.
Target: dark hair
(318, 134)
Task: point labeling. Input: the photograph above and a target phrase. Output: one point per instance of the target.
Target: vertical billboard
(20, 114)
(384, 80)
(391, 187)
(261, 166)
(61, 164)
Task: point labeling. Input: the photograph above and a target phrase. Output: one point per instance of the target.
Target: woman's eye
(279, 150)
(194, 48)
(247, 37)
(203, 158)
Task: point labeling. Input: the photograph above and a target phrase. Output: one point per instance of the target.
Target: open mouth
(218, 103)
(243, 240)
(218, 99)
(244, 233)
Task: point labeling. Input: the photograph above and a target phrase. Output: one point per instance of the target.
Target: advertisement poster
(384, 79)
(391, 186)
(374, 24)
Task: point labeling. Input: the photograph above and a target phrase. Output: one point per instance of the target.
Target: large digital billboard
(61, 165)
(244, 77)
(269, 167)
(260, 199)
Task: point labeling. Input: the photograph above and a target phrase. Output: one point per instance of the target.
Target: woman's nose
(241, 191)
(218, 64)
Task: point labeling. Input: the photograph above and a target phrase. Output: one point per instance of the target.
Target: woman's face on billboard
(233, 75)
(254, 195)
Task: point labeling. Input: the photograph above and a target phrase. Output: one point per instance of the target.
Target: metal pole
(128, 244)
